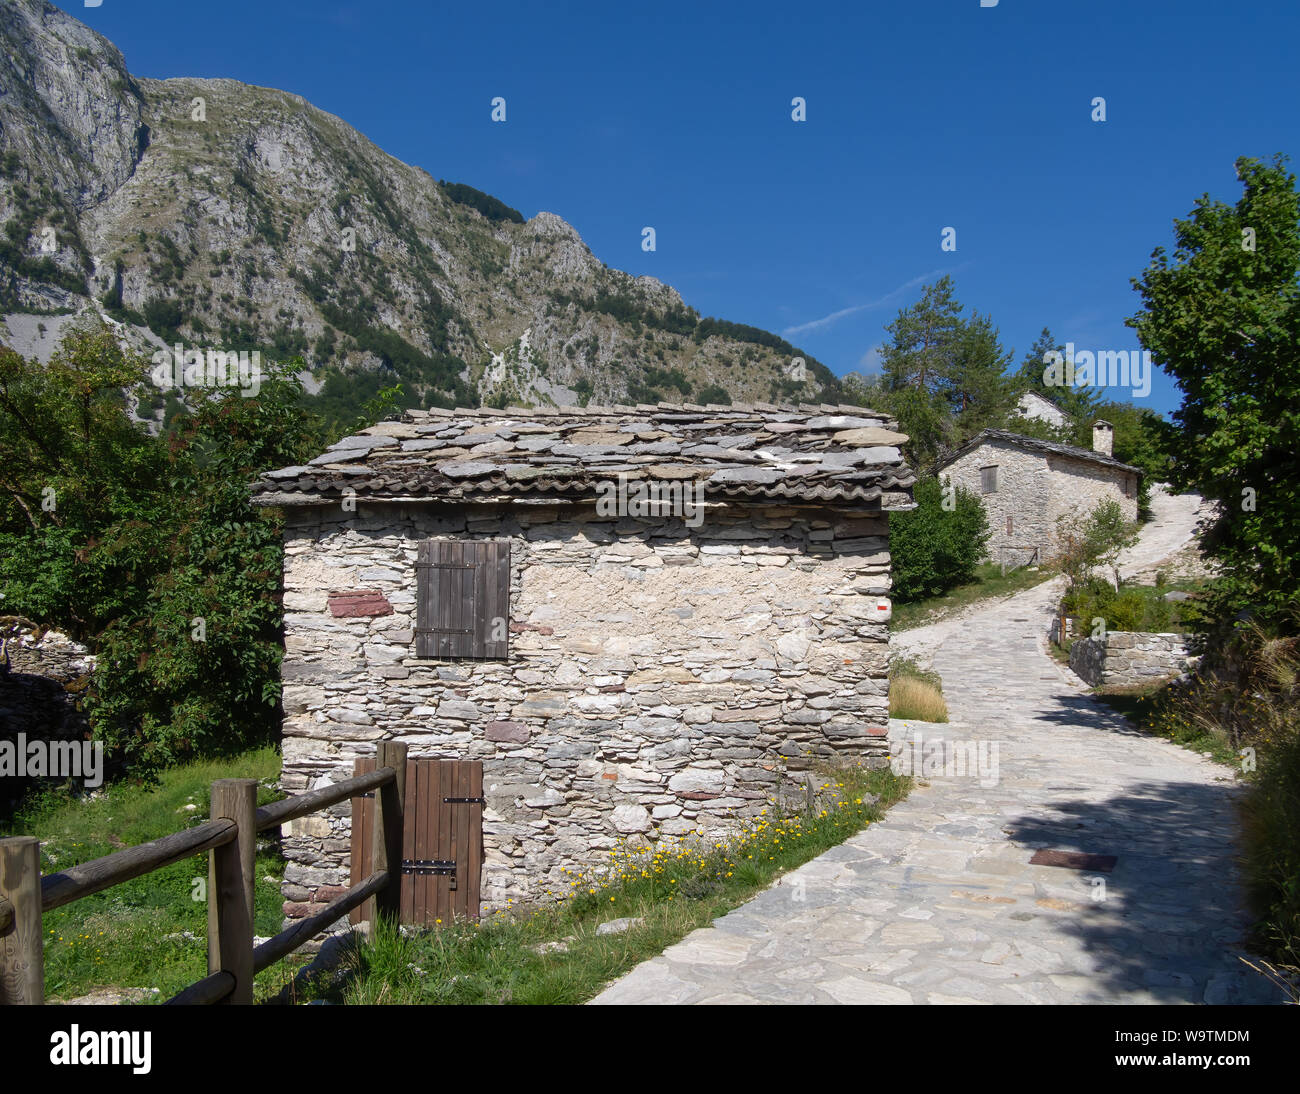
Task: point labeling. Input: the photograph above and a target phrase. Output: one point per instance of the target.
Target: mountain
(221, 215)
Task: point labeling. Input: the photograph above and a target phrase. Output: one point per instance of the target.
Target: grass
(989, 582)
(133, 936)
(915, 693)
(1152, 709)
(671, 890)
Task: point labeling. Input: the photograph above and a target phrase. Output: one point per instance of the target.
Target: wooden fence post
(230, 887)
(22, 958)
(390, 803)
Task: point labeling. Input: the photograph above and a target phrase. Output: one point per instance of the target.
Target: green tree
(917, 366)
(925, 418)
(79, 508)
(924, 339)
(195, 669)
(147, 547)
(1222, 316)
(980, 394)
(939, 544)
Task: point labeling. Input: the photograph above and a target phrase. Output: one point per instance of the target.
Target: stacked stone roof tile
(1037, 445)
(761, 451)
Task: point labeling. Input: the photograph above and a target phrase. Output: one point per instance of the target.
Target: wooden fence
(230, 838)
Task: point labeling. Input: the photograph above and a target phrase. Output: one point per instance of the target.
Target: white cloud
(869, 362)
(888, 298)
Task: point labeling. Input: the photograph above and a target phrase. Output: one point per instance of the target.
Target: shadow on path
(1169, 918)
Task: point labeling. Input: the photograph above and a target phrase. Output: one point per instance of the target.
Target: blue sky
(921, 114)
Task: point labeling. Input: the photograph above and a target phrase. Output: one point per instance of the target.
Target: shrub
(164, 317)
(936, 548)
(1086, 541)
(492, 208)
(1131, 609)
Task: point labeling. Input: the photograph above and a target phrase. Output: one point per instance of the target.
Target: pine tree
(978, 390)
(924, 343)
(916, 368)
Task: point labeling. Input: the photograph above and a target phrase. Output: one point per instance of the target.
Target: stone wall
(1130, 657)
(1023, 492)
(1080, 484)
(662, 679)
(43, 676)
(1034, 489)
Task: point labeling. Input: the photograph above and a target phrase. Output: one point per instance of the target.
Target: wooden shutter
(989, 479)
(463, 600)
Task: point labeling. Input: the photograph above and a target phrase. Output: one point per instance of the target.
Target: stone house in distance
(1026, 484)
(644, 621)
(1036, 407)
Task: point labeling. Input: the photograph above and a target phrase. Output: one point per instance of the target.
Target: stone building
(1026, 484)
(1036, 407)
(645, 621)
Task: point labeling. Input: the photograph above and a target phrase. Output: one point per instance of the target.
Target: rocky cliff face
(68, 106)
(236, 217)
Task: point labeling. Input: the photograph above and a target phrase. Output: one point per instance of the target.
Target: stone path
(1171, 527)
(938, 903)
(1167, 535)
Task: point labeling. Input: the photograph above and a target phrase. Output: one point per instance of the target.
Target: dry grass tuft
(916, 698)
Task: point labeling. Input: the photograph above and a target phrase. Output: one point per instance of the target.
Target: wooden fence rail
(103, 873)
(230, 838)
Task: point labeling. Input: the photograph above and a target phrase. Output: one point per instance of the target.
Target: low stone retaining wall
(1130, 657)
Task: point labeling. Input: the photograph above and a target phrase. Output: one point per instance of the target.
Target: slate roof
(1034, 444)
(809, 453)
(1033, 397)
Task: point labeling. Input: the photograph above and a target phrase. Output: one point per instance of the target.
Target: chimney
(1103, 437)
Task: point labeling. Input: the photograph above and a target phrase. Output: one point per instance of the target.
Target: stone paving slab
(938, 904)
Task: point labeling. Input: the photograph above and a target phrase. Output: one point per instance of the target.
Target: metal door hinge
(425, 866)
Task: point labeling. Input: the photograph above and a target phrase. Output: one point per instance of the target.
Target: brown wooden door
(442, 841)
